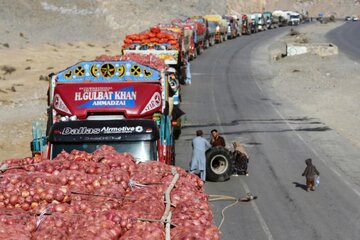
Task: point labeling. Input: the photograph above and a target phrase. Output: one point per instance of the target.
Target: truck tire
(226, 37)
(177, 133)
(212, 41)
(206, 44)
(194, 55)
(199, 50)
(49, 122)
(218, 164)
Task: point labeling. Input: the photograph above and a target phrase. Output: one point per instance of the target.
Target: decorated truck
(259, 20)
(199, 36)
(165, 44)
(125, 102)
(233, 30)
(271, 21)
(246, 24)
(282, 16)
(166, 41)
(209, 34)
(195, 31)
(220, 25)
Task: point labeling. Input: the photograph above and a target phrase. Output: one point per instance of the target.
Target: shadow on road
(303, 186)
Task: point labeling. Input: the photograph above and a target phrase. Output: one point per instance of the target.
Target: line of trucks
(102, 162)
(261, 21)
(132, 102)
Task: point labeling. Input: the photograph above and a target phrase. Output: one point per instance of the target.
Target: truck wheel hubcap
(219, 164)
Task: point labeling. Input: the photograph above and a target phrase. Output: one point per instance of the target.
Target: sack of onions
(192, 231)
(145, 230)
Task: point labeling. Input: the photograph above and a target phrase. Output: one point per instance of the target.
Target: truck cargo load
(166, 44)
(169, 42)
(102, 194)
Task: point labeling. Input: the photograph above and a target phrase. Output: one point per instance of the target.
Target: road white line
(350, 185)
(260, 218)
(263, 224)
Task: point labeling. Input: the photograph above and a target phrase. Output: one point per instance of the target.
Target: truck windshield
(141, 150)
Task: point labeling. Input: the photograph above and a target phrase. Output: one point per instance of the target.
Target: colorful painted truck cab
(125, 102)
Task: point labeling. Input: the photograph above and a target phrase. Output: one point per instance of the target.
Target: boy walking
(310, 172)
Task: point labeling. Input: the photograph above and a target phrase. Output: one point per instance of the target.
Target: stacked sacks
(100, 195)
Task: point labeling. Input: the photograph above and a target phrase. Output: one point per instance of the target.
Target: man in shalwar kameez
(198, 160)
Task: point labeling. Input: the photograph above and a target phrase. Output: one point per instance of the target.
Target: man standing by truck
(198, 160)
(216, 139)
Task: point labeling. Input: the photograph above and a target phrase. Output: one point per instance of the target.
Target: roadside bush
(294, 32)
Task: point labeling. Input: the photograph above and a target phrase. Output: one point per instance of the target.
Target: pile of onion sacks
(101, 195)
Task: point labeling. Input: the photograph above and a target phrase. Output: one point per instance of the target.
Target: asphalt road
(229, 92)
(347, 38)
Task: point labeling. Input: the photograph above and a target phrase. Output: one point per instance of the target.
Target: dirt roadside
(324, 87)
(23, 87)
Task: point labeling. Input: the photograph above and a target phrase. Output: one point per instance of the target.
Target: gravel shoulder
(23, 90)
(326, 87)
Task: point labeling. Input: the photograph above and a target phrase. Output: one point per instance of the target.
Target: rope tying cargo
(167, 214)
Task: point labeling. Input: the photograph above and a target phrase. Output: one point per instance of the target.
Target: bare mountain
(24, 22)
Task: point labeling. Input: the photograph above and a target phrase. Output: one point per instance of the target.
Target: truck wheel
(195, 54)
(218, 164)
(177, 133)
(206, 44)
(49, 122)
(212, 41)
(199, 50)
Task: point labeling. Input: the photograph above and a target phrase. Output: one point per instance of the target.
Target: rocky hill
(23, 23)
